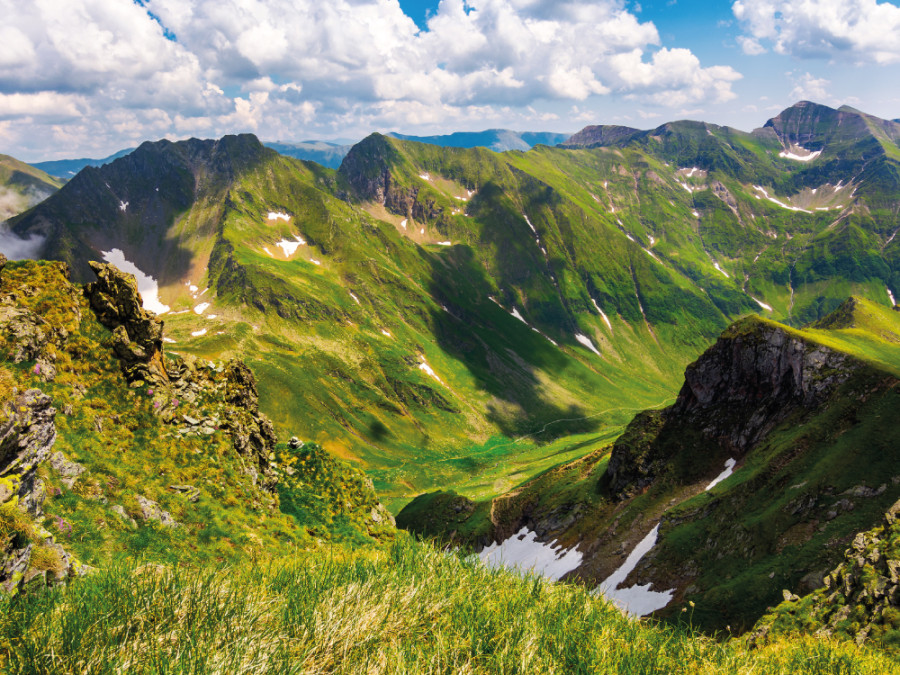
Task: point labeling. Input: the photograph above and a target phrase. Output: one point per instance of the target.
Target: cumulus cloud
(175, 67)
(863, 30)
(807, 87)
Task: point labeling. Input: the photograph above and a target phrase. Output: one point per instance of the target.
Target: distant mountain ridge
(67, 168)
(489, 296)
(498, 140)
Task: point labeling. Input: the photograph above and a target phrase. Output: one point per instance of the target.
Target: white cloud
(276, 66)
(863, 30)
(807, 87)
(750, 45)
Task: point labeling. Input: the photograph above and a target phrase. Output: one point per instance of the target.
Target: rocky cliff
(756, 375)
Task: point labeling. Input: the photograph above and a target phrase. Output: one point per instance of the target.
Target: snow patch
(766, 307)
(637, 600)
(192, 288)
(403, 223)
(586, 341)
(169, 340)
(719, 268)
(202, 307)
(603, 314)
(629, 237)
(522, 552)
(425, 176)
(268, 251)
(277, 215)
(800, 158)
(315, 262)
(515, 313)
(529, 223)
(352, 295)
(729, 469)
(423, 366)
(147, 286)
(779, 203)
(651, 254)
(695, 214)
(445, 243)
(198, 333)
(385, 333)
(123, 206)
(891, 296)
(212, 316)
(290, 247)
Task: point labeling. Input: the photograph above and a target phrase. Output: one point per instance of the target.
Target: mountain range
(681, 339)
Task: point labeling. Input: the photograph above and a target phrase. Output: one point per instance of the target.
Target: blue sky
(88, 77)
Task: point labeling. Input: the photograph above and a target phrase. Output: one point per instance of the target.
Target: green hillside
(447, 317)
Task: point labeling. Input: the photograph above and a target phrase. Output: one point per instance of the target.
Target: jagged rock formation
(860, 598)
(743, 386)
(137, 333)
(252, 432)
(29, 555)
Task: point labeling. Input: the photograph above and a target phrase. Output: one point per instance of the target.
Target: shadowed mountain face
(450, 315)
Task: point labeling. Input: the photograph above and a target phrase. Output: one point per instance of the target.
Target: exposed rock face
(751, 379)
(252, 433)
(758, 372)
(27, 434)
(137, 333)
(368, 169)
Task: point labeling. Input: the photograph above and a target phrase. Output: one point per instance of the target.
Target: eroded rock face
(27, 432)
(137, 333)
(735, 394)
(252, 433)
(753, 379)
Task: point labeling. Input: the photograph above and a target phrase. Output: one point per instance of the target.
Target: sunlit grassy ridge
(407, 609)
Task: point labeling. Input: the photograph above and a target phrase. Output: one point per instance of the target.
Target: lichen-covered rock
(137, 333)
(67, 469)
(150, 510)
(27, 432)
(860, 598)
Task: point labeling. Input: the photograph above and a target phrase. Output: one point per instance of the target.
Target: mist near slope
(12, 203)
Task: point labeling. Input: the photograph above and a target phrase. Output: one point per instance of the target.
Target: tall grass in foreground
(410, 609)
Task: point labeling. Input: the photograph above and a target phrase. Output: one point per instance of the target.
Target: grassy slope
(120, 436)
(406, 609)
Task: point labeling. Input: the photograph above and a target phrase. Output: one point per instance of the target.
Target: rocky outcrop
(29, 556)
(252, 433)
(137, 333)
(753, 376)
(860, 598)
(27, 435)
(750, 380)
(368, 168)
